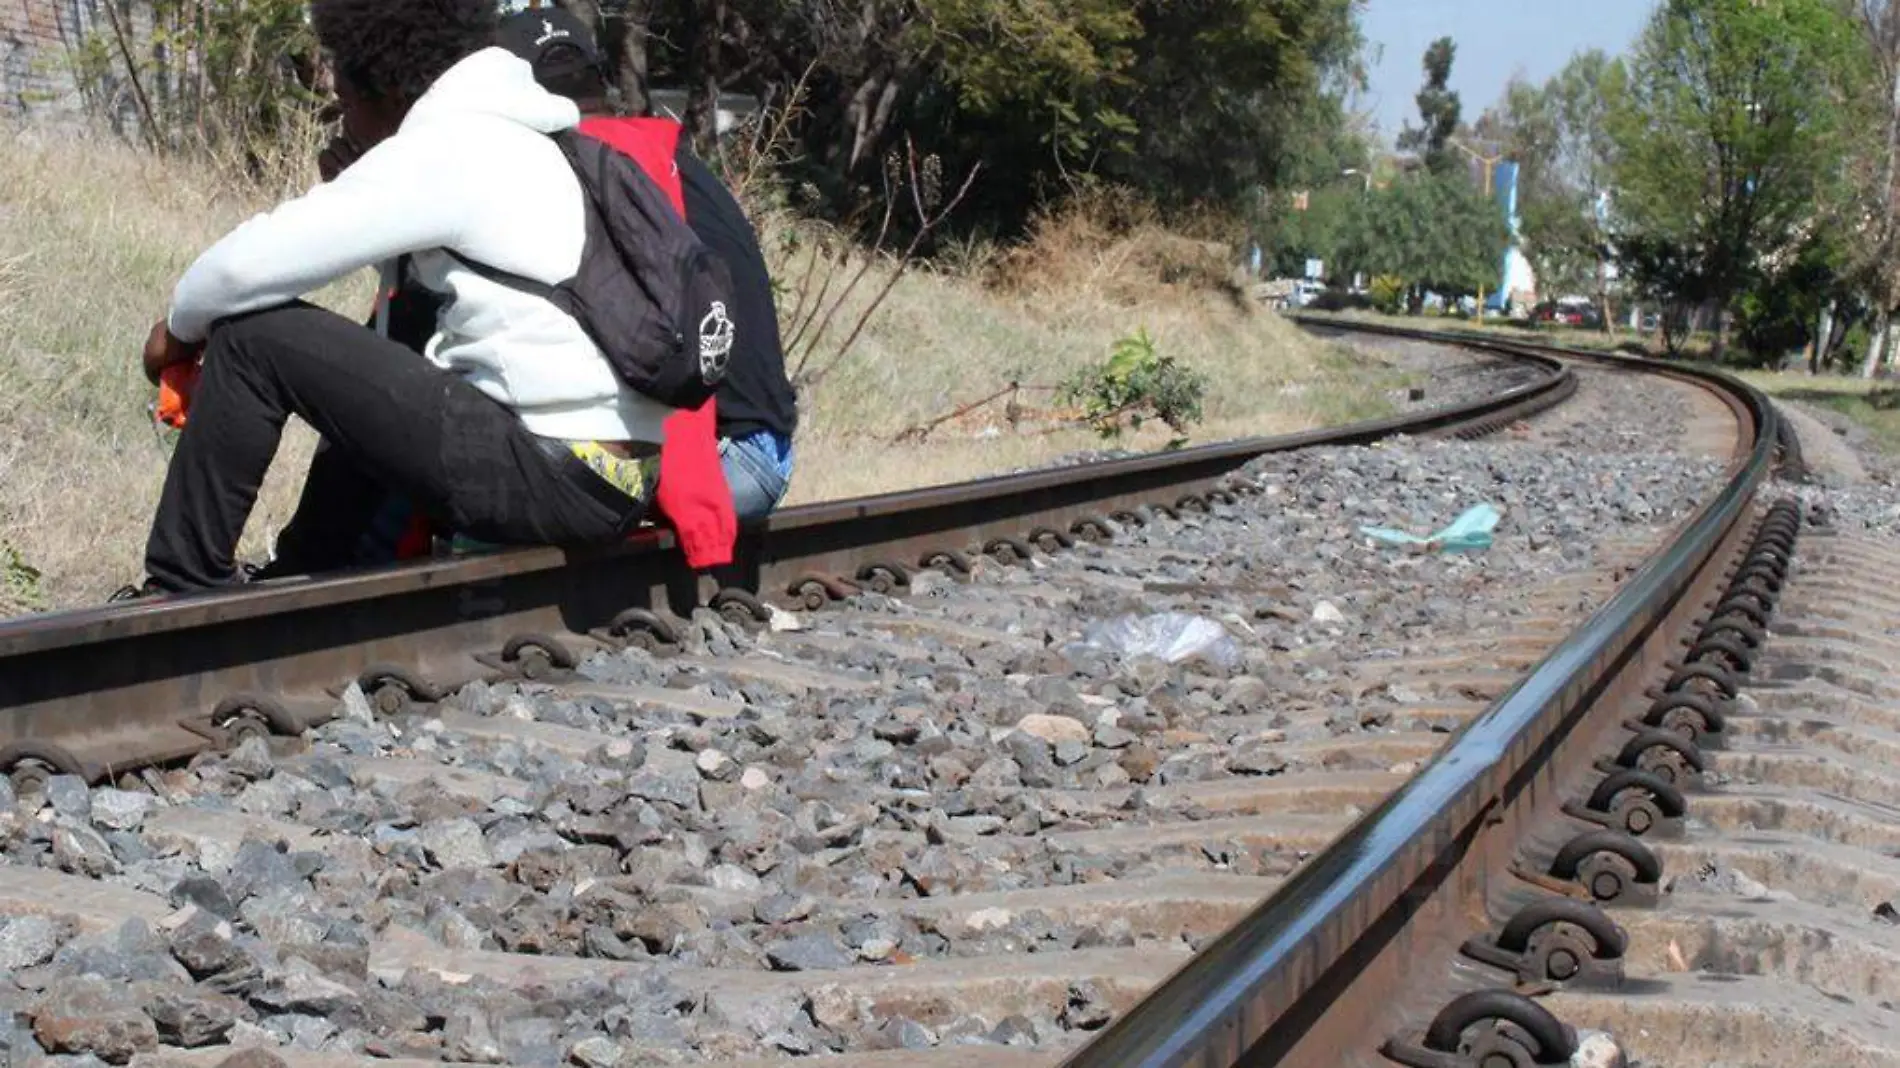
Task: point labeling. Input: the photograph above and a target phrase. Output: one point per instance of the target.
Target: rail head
(1261, 976)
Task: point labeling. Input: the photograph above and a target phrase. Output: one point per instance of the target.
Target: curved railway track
(802, 810)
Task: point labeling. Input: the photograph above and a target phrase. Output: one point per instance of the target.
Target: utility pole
(1490, 163)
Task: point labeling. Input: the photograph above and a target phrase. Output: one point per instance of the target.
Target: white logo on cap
(715, 343)
(549, 33)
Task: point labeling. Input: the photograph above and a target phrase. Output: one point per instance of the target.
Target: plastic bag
(1169, 636)
(1468, 533)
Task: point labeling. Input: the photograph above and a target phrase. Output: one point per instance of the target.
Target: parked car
(1567, 313)
(1305, 291)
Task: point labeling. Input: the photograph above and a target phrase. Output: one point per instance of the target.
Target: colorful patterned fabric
(635, 478)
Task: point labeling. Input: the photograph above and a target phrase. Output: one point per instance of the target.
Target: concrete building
(40, 46)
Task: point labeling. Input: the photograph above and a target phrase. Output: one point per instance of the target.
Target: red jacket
(693, 495)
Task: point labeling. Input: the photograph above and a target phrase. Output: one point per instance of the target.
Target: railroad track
(891, 790)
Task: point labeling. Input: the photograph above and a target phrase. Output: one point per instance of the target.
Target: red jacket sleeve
(693, 495)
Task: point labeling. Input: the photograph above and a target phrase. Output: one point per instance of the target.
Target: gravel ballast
(755, 854)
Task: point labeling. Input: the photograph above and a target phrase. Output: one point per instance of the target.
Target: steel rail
(95, 691)
(1365, 933)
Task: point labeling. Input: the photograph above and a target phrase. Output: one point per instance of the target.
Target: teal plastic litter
(1468, 533)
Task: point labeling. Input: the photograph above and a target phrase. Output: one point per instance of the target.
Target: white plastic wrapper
(1169, 636)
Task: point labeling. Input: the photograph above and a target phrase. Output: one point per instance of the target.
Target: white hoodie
(470, 169)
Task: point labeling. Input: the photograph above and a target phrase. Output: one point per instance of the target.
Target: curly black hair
(396, 49)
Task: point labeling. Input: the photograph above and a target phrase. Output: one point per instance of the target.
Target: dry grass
(1040, 313)
(92, 238)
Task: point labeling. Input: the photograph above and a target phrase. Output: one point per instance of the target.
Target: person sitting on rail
(756, 407)
(513, 427)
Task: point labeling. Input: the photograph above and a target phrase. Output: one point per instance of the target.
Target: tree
(1437, 232)
(1559, 135)
(1873, 248)
(1724, 135)
(1784, 310)
(1438, 110)
(1319, 232)
(1207, 102)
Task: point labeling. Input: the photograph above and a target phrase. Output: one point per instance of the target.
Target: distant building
(1517, 282)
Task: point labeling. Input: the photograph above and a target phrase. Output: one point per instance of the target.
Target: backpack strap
(563, 139)
(531, 286)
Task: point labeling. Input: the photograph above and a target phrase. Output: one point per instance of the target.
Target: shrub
(1135, 384)
(1388, 293)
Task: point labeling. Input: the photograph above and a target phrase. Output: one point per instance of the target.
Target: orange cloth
(175, 386)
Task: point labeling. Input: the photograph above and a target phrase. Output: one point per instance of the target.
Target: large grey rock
(27, 941)
(468, 1037)
(203, 942)
(816, 952)
(299, 987)
(207, 893)
(674, 782)
(598, 1051)
(70, 797)
(456, 844)
(758, 1014)
(189, 1017)
(1053, 730)
(83, 851)
(251, 759)
(258, 868)
(285, 917)
(121, 810)
(88, 1014)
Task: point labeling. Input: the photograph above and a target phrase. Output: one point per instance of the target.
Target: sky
(1495, 38)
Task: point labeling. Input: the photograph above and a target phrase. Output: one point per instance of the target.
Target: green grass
(1624, 340)
(1873, 405)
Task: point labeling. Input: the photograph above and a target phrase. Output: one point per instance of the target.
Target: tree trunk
(1603, 299)
(1876, 345)
(702, 65)
(1823, 337)
(630, 68)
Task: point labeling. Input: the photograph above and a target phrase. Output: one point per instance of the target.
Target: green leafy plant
(1388, 293)
(1136, 384)
(19, 582)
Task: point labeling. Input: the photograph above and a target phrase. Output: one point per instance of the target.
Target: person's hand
(163, 350)
(337, 156)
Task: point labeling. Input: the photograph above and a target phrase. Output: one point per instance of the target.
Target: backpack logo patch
(715, 342)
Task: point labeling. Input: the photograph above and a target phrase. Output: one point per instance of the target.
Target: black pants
(390, 421)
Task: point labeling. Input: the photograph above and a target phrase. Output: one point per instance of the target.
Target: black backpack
(651, 295)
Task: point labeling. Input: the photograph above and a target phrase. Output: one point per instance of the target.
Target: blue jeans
(758, 469)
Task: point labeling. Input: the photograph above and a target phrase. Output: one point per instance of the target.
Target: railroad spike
(949, 561)
(642, 628)
(1637, 802)
(1556, 939)
(1522, 1034)
(1692, 715)
(734, 605)
(1665, 754)
(1614, 867)
(886, 577)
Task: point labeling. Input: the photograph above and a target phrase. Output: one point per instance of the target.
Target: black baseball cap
(551, 39)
